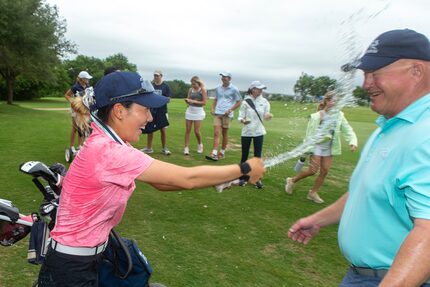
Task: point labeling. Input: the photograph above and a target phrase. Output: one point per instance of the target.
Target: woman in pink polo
(102, 178)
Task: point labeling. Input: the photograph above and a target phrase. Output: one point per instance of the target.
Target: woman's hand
(268, 116)
(257, 169)
(353, 147)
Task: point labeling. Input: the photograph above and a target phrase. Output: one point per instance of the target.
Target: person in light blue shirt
(384, 229)
(227, 99)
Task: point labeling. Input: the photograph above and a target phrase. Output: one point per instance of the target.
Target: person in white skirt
(195, 113)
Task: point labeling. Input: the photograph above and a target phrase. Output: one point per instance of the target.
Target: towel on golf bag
(123, 264)
(38, 243)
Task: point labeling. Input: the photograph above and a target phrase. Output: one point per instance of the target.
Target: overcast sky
(273, 41)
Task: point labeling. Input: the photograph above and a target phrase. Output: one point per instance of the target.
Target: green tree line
(33, 62)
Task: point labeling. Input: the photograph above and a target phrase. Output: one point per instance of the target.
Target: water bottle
(299, 164)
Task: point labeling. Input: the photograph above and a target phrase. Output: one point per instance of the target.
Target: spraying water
(343, 90)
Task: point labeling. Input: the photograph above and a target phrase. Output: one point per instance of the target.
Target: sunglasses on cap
(146, 88)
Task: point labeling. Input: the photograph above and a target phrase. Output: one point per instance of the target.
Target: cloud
(272, 41)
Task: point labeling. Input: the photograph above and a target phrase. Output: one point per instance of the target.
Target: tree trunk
(10, 86)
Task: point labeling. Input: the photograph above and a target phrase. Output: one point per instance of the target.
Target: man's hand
(303, 230)
(227, 113)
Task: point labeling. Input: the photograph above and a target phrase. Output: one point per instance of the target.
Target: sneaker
(259, 184)
(242, 182)
(221, 187)
(289, 185)
(235, 182)
(186, 151)
(220, 155)
(212, 156)
(147, 150)
(200, 148)
(72, 148)
(314, 197)
(166, 151)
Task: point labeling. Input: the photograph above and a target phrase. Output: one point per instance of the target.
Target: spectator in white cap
(384, 228)
(227, 99)
(254, 110)
(77, 90)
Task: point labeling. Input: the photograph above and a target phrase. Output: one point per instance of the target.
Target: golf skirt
(195, 113)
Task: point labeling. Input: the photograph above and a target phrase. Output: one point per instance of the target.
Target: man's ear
(418, 70)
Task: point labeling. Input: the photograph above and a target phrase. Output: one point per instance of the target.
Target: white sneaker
(200, 148)
(314, 197)
(221, 187)
(72, 148)
(166, 151)
(186, 151)
(147, 150)
(289, 185)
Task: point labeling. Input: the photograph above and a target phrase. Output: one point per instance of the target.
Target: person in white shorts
(195, 113)
(323, 151)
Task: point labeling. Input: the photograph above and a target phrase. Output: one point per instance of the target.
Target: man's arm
(411, 267)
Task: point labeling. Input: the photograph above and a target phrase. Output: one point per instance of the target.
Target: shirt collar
(410, 114)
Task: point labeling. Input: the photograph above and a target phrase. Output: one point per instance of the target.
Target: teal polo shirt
(389, 187)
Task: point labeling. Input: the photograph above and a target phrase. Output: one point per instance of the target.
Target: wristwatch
(245, 168)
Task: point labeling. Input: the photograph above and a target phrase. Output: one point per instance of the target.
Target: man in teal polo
(384, 229)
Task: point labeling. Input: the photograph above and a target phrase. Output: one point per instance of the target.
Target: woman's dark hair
(111, 69)
(103, 113)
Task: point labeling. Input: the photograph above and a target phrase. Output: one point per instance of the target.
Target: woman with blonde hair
(195, 113)
(329, 144)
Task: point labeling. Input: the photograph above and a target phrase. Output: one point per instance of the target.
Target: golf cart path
(51, 109)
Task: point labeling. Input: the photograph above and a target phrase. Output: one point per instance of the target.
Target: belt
(80, 251)
(379, 273)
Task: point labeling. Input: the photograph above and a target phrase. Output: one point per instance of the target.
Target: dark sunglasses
(145, 89)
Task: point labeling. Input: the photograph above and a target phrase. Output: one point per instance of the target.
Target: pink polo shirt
(96, 189)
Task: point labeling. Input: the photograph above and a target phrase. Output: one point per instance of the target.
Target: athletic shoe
(289, 185)
(147, 150)
(186, 151)
(221, 187)
(242, 182)
(212, 156)
(200, 148)
(259, 184)
(220, 155)
(314, 197)
(166, 151)
(72, 148)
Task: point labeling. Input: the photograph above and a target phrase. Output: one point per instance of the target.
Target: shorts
(160, 119)
(323, 149)
(63, 270)
(195, 113)
(223, 121)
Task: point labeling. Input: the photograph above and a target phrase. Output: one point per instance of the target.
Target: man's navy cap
(392, 46)
(119, 87)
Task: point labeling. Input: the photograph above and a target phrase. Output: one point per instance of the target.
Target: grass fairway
(200, 237)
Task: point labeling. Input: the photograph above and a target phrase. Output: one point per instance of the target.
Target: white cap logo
(373, 48)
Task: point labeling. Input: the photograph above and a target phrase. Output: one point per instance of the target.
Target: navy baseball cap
(120, 87)
(392, 46)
